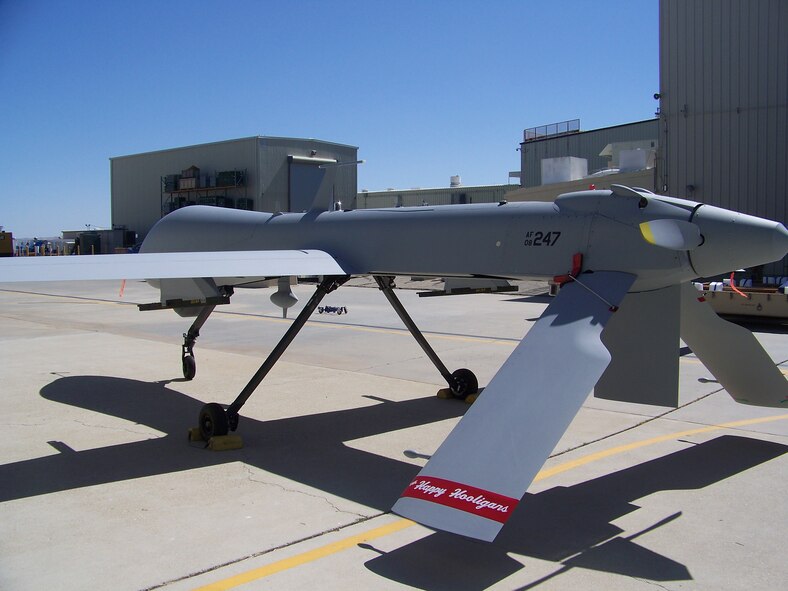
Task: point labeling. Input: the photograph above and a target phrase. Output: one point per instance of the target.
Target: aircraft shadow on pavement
(308, 449)
(531, 299)
(571, 526)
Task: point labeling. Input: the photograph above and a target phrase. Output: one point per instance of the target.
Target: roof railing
(552, 130)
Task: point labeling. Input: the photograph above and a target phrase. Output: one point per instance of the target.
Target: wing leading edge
(170, 265)
(477, 476)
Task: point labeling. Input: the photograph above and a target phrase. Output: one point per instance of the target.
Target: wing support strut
(462, 382)
(214, 419)
(328, 285)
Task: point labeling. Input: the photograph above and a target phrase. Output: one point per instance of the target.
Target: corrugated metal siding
(587, 144)
(136, 191)
(724, 103)
(274, 170)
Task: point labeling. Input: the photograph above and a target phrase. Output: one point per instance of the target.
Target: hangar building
(549, 156)
(723, 98)
(605, 151)
(256, 173)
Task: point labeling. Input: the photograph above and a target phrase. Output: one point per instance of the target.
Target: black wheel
(189, 367)
(464, 383)
(213, 421)
(232, 420)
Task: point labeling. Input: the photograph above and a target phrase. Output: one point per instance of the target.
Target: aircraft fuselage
(509, 240)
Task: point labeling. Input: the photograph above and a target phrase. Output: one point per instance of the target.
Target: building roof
(243, 139)
(579, 133)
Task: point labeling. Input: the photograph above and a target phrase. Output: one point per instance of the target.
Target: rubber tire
(213, 421)
(189, 367)
(464, 383)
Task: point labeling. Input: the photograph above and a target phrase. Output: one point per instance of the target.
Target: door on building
(309, 184)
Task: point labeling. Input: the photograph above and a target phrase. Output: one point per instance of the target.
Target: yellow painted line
(566, 466)
(401, 524)
(306, 557)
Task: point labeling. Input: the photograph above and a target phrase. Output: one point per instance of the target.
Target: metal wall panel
(135, 181)
(274, 169)
(586, 144)
(136, 187)
(724, 103)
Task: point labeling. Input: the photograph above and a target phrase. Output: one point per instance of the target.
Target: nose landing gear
(188, 362)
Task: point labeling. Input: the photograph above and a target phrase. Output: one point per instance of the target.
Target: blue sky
(426, 89)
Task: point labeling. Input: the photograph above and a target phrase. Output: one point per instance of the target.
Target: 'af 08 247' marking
(533, 238)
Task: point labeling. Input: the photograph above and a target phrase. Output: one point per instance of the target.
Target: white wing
(171, 265)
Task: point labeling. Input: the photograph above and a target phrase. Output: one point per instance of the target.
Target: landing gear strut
(189, 338)
(214, 420)
(462, 382)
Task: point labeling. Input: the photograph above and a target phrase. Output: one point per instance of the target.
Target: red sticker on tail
(466, 498)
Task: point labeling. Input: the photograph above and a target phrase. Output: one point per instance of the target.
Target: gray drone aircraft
(624, 257)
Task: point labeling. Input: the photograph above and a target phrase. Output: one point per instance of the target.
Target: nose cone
(781, 240)
(733, 240)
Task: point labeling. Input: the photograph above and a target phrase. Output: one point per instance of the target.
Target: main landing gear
(216, 421)
(462, 382)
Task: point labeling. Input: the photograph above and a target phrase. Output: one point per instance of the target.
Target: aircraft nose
(734, 240)
(781, 240)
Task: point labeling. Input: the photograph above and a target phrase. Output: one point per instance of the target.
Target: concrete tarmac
(100, 488)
